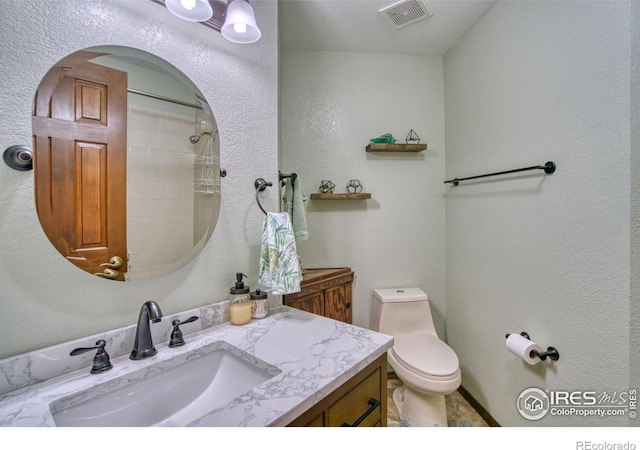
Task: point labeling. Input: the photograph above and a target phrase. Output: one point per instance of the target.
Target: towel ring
(261, 185)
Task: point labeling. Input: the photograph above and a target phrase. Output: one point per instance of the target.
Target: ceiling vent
(405, 12)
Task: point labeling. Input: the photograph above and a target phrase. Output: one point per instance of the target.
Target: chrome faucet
(143, 345)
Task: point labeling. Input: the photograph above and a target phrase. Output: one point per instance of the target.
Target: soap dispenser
(239, 302)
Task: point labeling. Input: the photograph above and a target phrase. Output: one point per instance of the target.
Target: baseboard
(478, 407)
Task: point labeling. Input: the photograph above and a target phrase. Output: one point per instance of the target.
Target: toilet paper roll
(522, 347)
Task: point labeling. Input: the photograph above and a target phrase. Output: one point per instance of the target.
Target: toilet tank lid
(410, 294)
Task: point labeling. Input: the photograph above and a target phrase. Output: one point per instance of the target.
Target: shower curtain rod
(166, 99)
(548, 168)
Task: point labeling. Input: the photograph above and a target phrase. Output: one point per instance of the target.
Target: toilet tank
(401, 311)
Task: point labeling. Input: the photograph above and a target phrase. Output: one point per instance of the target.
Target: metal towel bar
(549, 167)
(261, 185)
(283, 183)
(282, 176)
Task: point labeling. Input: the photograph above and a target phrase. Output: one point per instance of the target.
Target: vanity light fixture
(192, 10)
(240, 24)
(235, 19)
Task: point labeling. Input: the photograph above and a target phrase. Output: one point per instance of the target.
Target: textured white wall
(332, 104)
(532, 82)
(634, 319)
(44, 299)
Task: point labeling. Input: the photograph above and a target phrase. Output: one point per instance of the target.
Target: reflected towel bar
(548, 168)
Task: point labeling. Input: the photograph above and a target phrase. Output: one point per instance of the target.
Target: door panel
(338, 302)
(82, 130)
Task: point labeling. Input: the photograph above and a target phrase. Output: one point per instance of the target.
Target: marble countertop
(312, 356)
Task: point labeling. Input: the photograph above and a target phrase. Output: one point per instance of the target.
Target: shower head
(196, 137)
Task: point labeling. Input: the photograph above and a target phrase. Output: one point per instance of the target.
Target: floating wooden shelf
(345, 196)
(396, 147)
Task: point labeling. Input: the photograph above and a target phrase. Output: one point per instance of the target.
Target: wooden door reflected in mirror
(122, 190)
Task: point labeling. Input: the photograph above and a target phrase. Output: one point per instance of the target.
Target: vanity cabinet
(326, 292)
(359, 402)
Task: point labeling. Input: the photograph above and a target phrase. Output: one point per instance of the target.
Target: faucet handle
(101, 362)
(189, 320)
(177, 339)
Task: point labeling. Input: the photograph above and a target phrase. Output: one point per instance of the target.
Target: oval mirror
(126, 163)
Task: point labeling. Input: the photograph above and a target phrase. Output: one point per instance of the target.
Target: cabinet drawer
(349, 403)
(360, 406)
(309, 420)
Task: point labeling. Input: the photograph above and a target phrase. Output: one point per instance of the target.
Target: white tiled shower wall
(160, 225)
(206, 178)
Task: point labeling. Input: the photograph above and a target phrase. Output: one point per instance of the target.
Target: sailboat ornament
(412, 138)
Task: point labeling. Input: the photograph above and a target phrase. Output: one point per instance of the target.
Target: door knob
(114, 263)
(108, 273)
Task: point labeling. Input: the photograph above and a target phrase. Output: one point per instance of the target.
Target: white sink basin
(173, 392)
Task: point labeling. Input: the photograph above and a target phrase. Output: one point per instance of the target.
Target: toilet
(429, 368)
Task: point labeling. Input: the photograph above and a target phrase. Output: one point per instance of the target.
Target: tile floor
(459, 412)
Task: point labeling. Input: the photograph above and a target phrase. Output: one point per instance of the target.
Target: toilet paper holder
(550, 353)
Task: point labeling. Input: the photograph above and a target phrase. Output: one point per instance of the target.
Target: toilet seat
(426, 355)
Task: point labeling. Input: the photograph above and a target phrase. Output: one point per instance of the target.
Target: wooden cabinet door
(326, 292)
(79, 127)
(338, 302)
(313, 303)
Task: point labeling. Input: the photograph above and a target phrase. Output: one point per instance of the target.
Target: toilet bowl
(428, 368)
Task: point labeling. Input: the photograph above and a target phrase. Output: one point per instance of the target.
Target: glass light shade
(240, 24)
(199, 13)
